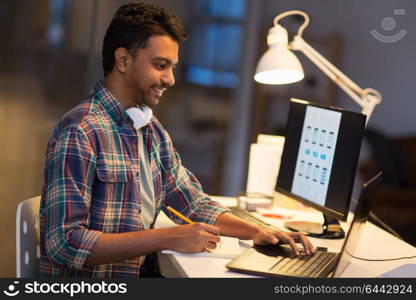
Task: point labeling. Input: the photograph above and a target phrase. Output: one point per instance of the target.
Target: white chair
(27, 238)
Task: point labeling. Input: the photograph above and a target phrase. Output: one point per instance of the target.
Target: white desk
(375, 243)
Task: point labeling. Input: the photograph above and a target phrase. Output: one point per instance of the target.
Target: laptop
(279, 260)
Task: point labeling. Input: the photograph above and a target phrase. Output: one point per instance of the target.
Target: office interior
(50, 59)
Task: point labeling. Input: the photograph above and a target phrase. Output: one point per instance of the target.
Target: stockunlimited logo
(11, 291)
(389, 24)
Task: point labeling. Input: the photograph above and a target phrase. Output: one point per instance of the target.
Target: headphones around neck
(141, 115)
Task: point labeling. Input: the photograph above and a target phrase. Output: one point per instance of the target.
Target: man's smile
(158, 91)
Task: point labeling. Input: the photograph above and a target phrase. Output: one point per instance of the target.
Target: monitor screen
(320, 156)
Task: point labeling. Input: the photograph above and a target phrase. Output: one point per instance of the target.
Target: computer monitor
(319, 162)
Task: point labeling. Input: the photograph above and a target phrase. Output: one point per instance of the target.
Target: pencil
(175, 212)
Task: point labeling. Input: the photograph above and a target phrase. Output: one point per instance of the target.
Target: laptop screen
(360, 217)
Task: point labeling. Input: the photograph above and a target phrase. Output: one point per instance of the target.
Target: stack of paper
(264, 164)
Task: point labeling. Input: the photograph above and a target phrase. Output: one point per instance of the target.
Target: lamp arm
(290, 13)
(367, 98)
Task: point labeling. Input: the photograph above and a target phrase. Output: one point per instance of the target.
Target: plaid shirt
(92, 186)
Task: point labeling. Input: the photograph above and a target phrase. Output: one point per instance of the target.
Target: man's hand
(233, 226)
(268, 236)
(193, 238)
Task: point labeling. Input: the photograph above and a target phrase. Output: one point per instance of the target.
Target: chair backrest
(27, 238)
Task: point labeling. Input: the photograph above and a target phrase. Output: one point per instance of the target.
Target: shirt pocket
(115, 204)
(110, 172)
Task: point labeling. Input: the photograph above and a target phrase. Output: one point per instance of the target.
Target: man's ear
(122, 59)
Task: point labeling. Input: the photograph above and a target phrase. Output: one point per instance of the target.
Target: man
(111, 166)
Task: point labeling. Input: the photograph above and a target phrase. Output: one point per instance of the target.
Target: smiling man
(111, 166)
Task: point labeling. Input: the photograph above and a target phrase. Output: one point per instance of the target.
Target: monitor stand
(330, 229)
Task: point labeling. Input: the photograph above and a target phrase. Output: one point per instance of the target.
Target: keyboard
(249, 217)
(304, 265)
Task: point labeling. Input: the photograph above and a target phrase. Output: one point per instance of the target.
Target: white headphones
(141, 115)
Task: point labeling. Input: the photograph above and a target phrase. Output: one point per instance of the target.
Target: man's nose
(168, 78)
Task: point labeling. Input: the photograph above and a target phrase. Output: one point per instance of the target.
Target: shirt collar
(110, 103)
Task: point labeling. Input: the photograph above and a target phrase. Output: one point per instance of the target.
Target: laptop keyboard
(303, 266)
(249, 217)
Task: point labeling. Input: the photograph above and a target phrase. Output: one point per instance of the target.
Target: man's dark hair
(133, 24)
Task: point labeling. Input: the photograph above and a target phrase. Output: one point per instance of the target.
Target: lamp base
(330, 229)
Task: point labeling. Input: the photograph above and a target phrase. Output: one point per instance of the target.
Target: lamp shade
(278, 65)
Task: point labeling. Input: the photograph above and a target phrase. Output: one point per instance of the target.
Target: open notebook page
(228, 247)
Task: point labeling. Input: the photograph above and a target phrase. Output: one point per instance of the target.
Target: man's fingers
(307, 244)
(264, 238)
(209, 228)
(212, 238)
(210, 241)
(272, 239)
(211, 246)
(289, 240)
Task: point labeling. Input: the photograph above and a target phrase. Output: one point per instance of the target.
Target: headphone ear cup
(148, 113)
(141, 116)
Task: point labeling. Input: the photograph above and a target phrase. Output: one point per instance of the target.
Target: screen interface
(316, 154)
(320, 156)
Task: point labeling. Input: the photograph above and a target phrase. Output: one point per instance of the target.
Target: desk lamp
(279, 65)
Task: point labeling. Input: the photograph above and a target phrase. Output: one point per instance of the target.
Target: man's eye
(160, 66)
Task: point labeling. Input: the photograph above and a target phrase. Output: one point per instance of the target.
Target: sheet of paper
(276, 140)
(252, 203)
(263, 168)
(228, 247)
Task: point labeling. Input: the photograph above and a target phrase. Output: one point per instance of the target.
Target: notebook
(279, 261)
(228, 247)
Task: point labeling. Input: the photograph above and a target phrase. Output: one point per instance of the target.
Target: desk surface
(375, 243)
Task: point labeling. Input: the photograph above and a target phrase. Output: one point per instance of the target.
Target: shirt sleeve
(184, 193)
(69, 175)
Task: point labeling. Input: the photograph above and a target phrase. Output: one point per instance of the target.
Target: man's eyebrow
(166, 60)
